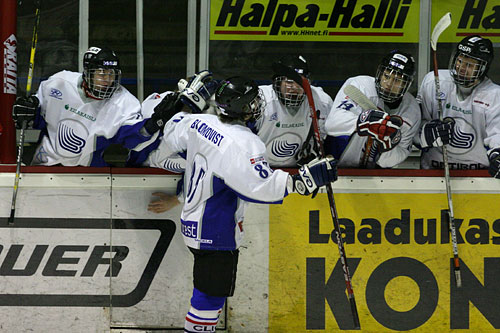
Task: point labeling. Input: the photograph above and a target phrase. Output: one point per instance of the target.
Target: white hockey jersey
(226, 168)
(341, 123)
(477, 122)
(75, 130)
(284, 133)
(142, 154)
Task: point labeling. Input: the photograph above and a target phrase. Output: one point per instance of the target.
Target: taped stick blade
(359, 98)
(441, 26)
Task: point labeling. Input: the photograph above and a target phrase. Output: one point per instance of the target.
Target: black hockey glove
(437, 133)
(494, 158)
(381, 126)
(163, 112)
(23, 111)
(313, 175)
(305, 155)
(198, 91)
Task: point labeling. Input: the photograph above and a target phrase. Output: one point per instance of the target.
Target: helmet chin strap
(87, 93)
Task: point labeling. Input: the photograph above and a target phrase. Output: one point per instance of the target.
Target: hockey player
(471, 118)
(192, 96)
(226, 168)
(285, 125)
(381, 137)
(81, 114)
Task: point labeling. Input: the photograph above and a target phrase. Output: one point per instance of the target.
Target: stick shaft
(20, 148)
(34, 40)
(333, 208)
(451, 215)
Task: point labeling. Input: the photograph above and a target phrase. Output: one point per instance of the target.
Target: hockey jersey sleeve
(161, 156)
(426, 100)
(39, 122)
(324, 104)
(344, 113)
(255, 181)
(492, 138)
(131, 122)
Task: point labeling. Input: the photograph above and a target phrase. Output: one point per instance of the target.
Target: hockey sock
(204, 312)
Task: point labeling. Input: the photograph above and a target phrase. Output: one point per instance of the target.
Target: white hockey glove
(313, 175)
(381, 126)
(198, 90)
(494, 158)
(437, 133)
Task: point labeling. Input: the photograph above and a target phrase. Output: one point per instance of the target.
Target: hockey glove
(23, 111)
(313, 175)
(305, 155)
(437, 133)
(381, 126)
(494, 158)
(163, 112)
(198, 91)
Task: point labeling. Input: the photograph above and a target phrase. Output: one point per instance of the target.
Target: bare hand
(163, 203)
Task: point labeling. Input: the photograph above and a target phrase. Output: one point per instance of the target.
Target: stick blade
(441, 26)
(359, 98)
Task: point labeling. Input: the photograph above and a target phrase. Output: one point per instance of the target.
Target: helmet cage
(290, 93)
(391, 83)
(255, 107)
(95, 79)
(467, 70)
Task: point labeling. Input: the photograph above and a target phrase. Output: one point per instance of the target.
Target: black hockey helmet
(471, 60)
(104, 63)
(239, 98)
(394, 76)
(290, 94)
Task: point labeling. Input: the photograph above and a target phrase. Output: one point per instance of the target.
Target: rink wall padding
(85, 255)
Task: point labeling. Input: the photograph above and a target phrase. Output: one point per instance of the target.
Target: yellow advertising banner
(315, 20)
(400, 258)
(468, 17)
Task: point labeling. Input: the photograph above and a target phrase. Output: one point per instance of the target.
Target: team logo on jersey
(274, 117)
(71, 135)
(283, 148)
(458, 109)
(463, 139)
(56, 93)
(80, 113)
(40, 156)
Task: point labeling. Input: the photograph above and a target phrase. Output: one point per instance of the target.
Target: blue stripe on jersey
(97, 156)
(336, 145)
(128, 136)
(136, 158)
(39, 122)
(218, 217)
(241, 196)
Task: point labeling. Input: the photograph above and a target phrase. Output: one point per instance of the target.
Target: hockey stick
(24, 123)
(304, 83)
(366, 104)
(442, 24)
